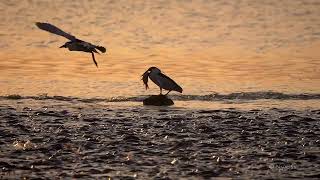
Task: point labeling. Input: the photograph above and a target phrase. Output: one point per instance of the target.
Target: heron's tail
(100, 48)
(179, 89)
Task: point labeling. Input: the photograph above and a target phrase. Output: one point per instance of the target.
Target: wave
(209, 97)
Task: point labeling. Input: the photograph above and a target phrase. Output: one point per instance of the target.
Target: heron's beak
(63, 46)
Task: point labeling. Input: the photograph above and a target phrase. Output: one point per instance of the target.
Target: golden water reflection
(206, 46)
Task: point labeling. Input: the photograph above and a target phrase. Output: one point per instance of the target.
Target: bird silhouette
(74, 44)
(161, 80)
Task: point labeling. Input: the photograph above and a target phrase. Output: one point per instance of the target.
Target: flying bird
(163, 81)
(74, 44)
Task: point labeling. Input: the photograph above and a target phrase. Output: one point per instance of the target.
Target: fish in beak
(145, 78)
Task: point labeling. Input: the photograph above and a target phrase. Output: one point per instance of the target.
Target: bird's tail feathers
(94, 50)
(101, 49)
(179, 89)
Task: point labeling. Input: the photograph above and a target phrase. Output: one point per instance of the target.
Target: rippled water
(249, 109)
(59, 138)
(247, 101)
(206, 46)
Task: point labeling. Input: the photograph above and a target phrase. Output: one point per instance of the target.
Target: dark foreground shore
(89, 140)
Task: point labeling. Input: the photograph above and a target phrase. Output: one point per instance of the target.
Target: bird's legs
(94, 60)
(167, 93)
(160, 91)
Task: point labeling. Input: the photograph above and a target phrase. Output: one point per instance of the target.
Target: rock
(158, 100)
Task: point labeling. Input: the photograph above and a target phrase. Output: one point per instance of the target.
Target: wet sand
(61, 139)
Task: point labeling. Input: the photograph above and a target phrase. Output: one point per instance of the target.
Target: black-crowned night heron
(74, 44)
(163, 81)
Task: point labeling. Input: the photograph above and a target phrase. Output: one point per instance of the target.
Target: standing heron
(74, 44)
(163, 81)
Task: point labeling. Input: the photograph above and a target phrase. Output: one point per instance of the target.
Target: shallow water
(244, 101)
(209, 46)
(54, 138)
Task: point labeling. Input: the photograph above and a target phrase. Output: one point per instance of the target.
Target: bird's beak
(146, 73)
(63, 46)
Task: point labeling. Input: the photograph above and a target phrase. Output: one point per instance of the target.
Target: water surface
(249, 109)
(206, 46)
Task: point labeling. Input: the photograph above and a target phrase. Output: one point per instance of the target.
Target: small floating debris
(174, 161)
(14, 96)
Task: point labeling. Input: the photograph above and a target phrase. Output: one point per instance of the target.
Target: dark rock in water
(158, 100)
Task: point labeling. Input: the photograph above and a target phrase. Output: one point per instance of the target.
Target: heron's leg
(160, 91)
(167, 93)
(94, 60)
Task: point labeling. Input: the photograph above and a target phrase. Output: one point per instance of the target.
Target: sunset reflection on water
(206, 46)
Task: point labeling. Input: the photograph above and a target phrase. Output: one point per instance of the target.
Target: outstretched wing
(55, 30)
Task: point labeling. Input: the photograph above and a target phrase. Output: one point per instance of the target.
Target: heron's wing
(166, 77)
(171, 83)
(55, 30)
(94, 60)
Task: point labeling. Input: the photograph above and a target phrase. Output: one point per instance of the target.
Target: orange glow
(204, 46)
